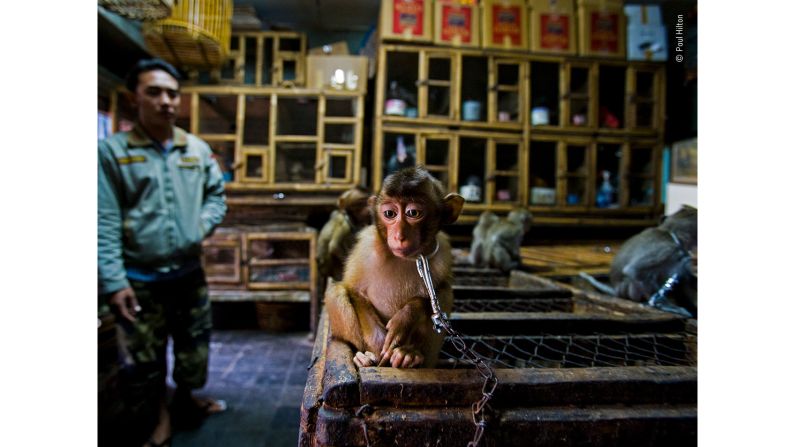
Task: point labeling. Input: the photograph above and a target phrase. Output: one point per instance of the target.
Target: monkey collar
(433, 253)
(660, 298)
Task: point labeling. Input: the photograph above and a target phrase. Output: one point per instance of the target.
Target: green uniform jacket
(154, 209)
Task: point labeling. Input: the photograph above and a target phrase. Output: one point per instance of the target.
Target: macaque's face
(404, 221)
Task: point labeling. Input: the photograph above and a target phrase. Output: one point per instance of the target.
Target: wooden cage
(573, 369)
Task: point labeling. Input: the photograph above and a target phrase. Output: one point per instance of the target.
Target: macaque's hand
(126, 303)
(400, 327)
(402, 357)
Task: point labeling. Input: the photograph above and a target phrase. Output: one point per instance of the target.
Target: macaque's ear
(453, 204)
(371, 201)
(341, 201)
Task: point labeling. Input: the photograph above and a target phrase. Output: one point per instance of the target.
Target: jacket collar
(138, 138)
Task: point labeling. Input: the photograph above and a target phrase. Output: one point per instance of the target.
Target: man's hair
(145, 65)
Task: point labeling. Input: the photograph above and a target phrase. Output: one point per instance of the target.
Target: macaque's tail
(604, 288)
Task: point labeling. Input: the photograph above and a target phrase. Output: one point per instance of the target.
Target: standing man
(160, 193)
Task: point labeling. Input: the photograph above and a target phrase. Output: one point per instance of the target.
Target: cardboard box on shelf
(553, 27)
(409, 20)
(647, 43)
(504, 24)
(456, 23)
(344, 73)
(602, 28)
(643, 14)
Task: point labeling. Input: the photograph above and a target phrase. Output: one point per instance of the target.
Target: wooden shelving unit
(474, 120)
(274, 263)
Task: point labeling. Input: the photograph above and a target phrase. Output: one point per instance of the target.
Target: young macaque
(381, 307)
(497, 242)
(338, 235)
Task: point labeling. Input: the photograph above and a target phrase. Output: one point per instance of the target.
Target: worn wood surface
(313, 391)
(530, 386)
(663, 426)
(570, 257)
(543, 406)
(340, 378)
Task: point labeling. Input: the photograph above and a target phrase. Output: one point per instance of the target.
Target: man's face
(157, 98)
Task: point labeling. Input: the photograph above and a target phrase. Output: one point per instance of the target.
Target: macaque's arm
(353, 319)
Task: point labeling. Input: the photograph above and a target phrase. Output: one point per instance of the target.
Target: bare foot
(161, 436)
(190, 411)
(210, 406)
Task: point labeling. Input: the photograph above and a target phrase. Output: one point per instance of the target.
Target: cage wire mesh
(514, 305)
(480, 280)
(575, 351)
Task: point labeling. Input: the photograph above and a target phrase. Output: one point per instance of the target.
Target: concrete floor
(262, 377)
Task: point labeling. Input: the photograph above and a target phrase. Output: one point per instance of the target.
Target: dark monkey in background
(496, 242)
(338, 235)
(381, 307)
(649, 259)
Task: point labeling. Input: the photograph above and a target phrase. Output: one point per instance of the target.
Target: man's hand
(126, 303)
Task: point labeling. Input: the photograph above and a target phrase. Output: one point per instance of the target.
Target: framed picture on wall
(684, 161)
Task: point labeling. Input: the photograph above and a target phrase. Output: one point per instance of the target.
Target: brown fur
(381, 296)
(338, 235)
(496, 242)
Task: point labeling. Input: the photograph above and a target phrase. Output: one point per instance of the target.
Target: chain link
(440, 322)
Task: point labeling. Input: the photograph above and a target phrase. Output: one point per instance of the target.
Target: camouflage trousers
(179, 308)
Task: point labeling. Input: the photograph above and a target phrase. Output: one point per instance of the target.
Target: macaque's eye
(413, 213)
(390, 214)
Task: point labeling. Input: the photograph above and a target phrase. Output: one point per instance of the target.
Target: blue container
(471, 111)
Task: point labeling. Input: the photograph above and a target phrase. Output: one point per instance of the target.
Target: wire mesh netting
(480, 280)
(575, 351)
(514, 305)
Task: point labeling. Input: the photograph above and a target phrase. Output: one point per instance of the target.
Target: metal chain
(440, 323)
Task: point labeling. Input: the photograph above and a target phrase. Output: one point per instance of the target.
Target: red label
(554, 32)
(407, 14)
(506, 21)
(456, 21)
(604, 32)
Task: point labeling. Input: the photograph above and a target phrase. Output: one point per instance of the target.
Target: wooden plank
(530, 387)
(340, 378)
(598, 426)
(312, 397)
(540, 427)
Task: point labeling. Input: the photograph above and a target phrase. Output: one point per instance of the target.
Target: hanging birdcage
(195, 35)
(139, 9)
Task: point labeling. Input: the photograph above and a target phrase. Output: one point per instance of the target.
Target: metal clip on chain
(487, 372)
